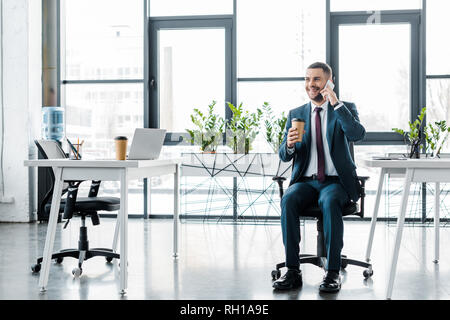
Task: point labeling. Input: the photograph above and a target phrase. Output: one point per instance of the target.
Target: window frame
(155, 24)
(387, 17)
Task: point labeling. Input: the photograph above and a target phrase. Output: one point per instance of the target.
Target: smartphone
(329, 84)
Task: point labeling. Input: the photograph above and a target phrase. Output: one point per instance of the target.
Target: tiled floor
(217, 261)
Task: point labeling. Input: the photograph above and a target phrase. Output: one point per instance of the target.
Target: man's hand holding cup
(296, 132)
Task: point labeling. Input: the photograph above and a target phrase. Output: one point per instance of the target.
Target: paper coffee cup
(121, 147)
(300, 125)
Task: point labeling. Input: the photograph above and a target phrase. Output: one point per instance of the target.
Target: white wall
(22, 70)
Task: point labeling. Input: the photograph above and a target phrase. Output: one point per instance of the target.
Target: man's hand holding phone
(329, 94)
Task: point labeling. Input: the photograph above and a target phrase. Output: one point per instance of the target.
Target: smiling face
(315, 81)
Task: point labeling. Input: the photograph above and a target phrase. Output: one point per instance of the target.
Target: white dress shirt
(330, 170)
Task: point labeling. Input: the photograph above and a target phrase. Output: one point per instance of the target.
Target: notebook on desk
(146, 144)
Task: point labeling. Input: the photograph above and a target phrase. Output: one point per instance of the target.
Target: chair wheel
(77, 272)
(59, 260)
(109, 259)
(276, 274)
(367, 273)
(344, 265)
(36, 267)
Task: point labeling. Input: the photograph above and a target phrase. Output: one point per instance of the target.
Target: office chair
(319, 259)
(82, 207)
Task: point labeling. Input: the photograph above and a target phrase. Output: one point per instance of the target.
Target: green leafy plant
(414, 136)
(243, 128)
(209, 129)
(435, 136)
(274, 127)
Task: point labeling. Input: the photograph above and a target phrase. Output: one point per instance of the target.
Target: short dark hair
(321, 65)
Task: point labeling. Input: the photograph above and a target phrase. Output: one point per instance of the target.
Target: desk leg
(51, 230)
(123, 220)
(436, 221)
(399, 231)
(149, 198)
(116, 232)
(176, 208)
(375, 213)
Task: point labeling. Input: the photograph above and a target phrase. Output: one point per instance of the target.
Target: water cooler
(52, 129)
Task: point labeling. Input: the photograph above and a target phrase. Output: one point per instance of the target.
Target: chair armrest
(72, 197)
(95, 186)
(72, 192)
(363, 178)
(280, 181)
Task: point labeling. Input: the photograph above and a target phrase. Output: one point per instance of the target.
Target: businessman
(323, 172)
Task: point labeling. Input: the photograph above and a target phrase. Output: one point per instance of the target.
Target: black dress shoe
(292, 279)
(331, 282)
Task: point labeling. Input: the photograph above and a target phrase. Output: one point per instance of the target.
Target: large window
(381, 89)
(96, 113)
(249, 51)
(438, 50)
(274, 48)
(103, 71)
(102, 78)
(192, 74)
(281, 95)
(438, 67)
(281, 40)
(377, 66)
(103, 39)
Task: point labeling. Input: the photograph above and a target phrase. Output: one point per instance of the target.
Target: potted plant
(209, 129)
(243, 128)
(435, 137)
(414, 136)
(274, 127)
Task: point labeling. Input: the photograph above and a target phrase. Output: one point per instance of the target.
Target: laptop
(146, 144)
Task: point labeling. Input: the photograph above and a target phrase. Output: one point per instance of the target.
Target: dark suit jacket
(343, 126)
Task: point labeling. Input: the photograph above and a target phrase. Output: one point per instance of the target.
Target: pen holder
(75, 154)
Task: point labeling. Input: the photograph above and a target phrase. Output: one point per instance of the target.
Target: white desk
(414, 170)
(105, 170)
